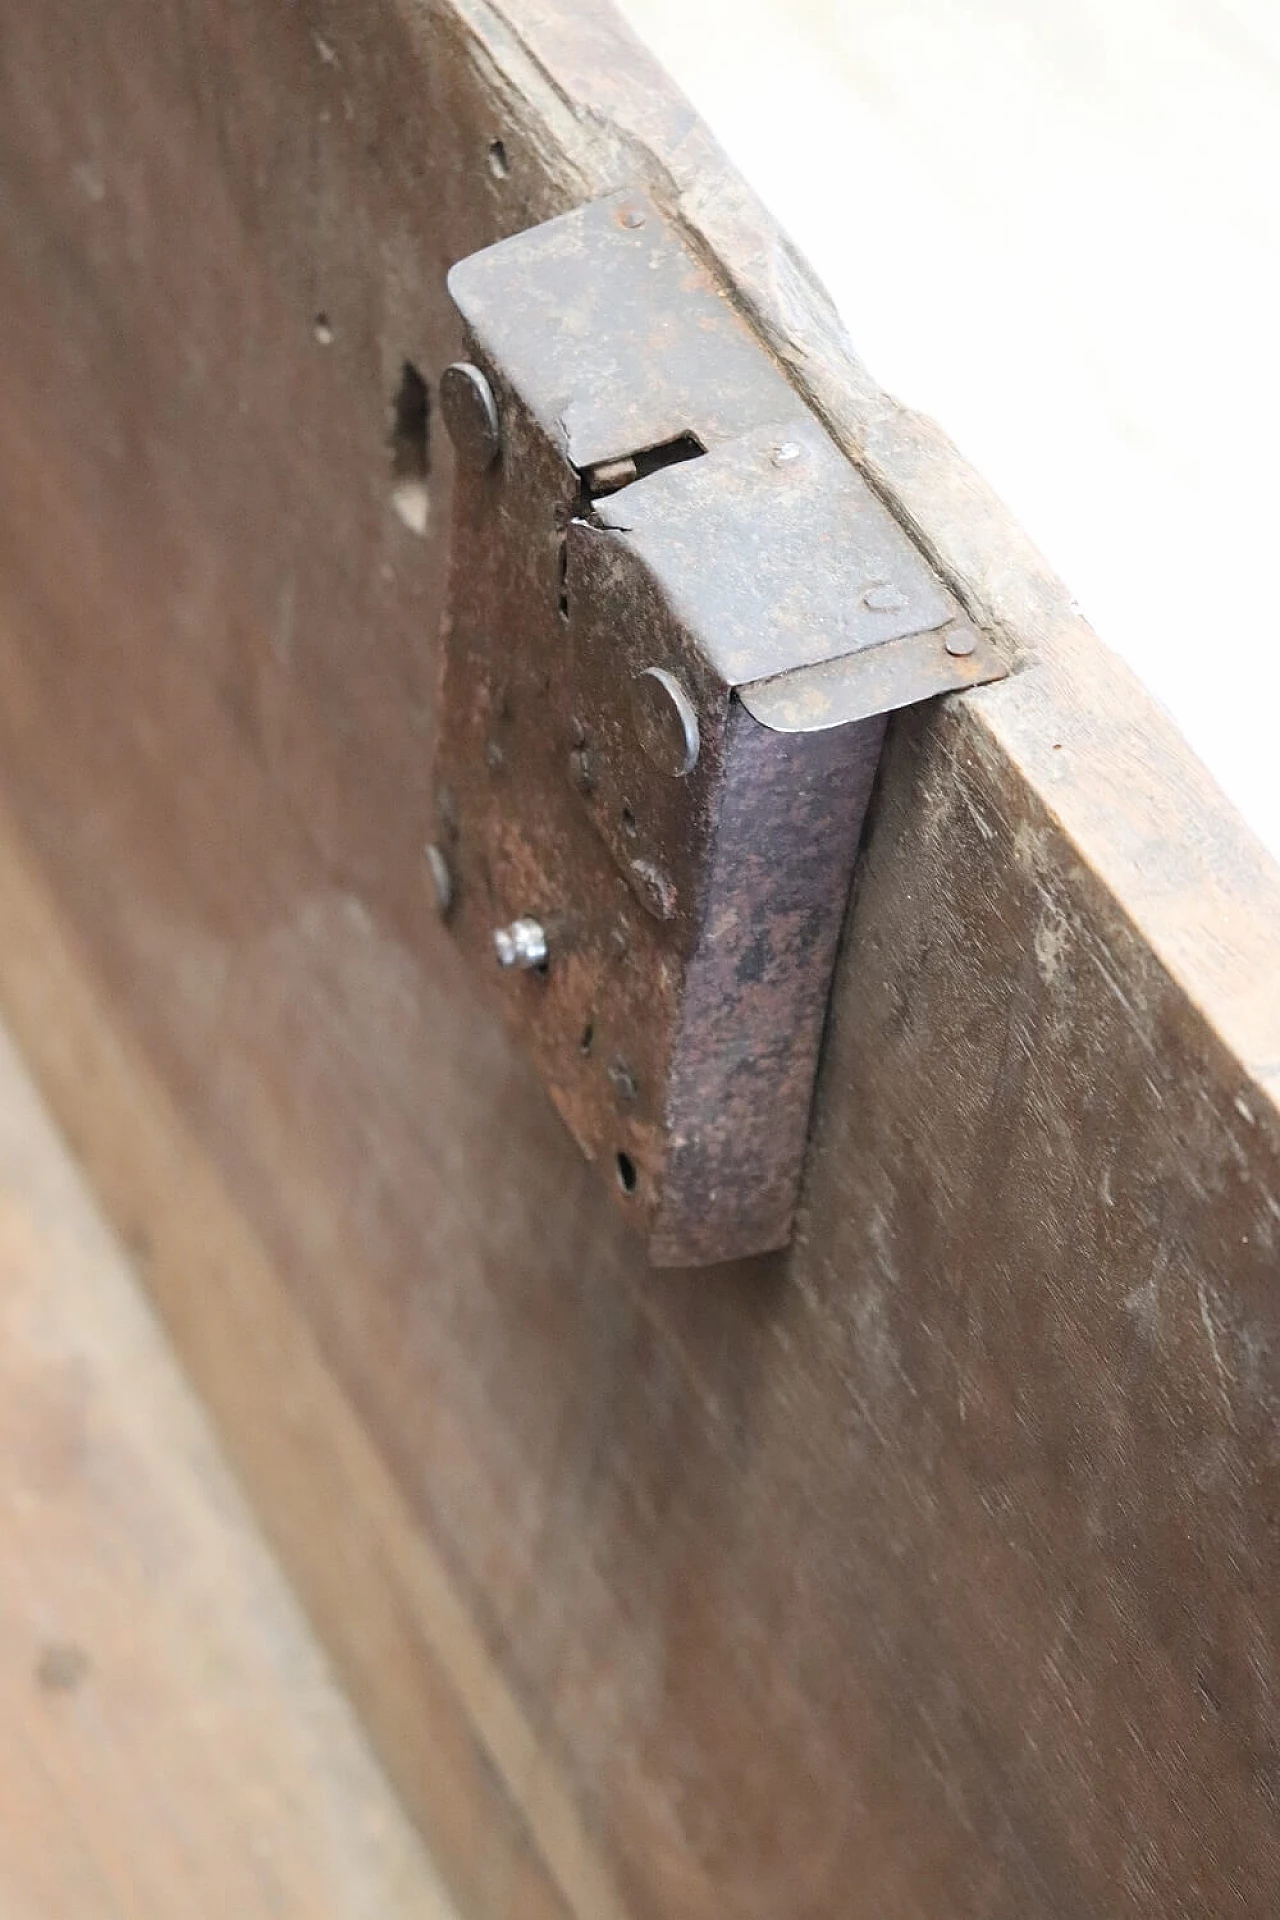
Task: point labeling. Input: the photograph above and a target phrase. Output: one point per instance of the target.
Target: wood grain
(171, 1741)
(922, 1572)
(415, 1660)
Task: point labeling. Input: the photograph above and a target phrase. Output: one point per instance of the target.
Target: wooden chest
(926, 1567)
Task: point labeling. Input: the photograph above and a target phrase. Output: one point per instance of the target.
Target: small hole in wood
(499, 165)
(411, 449)
(562, 561)
(628, 819)
(322, 327)
(628, 1178)
(588, 1039)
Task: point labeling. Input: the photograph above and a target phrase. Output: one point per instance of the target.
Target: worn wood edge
(1100, 755)
(403, 1640)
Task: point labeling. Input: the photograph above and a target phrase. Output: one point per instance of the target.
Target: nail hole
(499, 165)
(588, 1039)
(411, 449)
(628, 1178)
(628, 823)
(563, 565)
(322, 327)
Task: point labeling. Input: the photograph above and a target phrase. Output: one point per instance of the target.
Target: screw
(665, 721)
(522, 945)
(961, 640)
(471, 415)
(441, 878)
(632, 217)
(884, 599)
(785, 452)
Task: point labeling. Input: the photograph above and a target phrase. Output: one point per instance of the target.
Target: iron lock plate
(677, 617)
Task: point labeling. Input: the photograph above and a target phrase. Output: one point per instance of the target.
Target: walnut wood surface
(927, 1571)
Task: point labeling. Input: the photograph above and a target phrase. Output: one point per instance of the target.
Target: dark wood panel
(922, 1571)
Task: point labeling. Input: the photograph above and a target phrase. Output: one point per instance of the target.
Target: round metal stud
(961, 641)
(471, 415)
(665, 721)
(654, 888)
(522, 945)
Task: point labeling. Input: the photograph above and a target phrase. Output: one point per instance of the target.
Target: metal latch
(677, 618)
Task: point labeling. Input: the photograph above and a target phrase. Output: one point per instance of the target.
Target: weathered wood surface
(172, 1744)
(927, 1571)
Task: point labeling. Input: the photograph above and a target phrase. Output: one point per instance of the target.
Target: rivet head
(522, 945)
(884, 599)
(471, 415)
(631, 217)
(441, 878)
(654, 888)
(961, 641)
(666, 721)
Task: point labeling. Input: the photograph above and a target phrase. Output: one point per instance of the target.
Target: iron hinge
(677, 618)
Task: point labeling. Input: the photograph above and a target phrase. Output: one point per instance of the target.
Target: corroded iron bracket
(677, 618)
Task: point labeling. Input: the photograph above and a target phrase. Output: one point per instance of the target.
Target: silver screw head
(522, 945)
(666, 721)
(471, 415)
